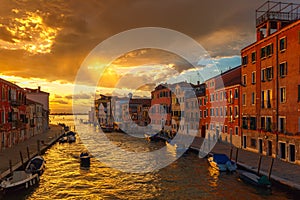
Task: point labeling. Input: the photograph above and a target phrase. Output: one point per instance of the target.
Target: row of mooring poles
(259, 161)
(22, 158)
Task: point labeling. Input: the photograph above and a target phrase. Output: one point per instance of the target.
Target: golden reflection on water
(214, 174)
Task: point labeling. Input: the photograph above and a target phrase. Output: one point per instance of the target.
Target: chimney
(39, 89)
(198, 82)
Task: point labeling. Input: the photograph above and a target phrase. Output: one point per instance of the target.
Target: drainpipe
(276, 95)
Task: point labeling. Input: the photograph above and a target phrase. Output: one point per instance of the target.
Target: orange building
(220, 108)
(270, 98)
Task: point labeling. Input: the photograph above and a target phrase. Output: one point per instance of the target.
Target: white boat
(259, 181)
(19, 180)
(36, 165)
(221, 162)
(176, 147)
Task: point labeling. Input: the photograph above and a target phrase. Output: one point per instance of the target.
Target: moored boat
(19, 180)
(176, 147)
(36, 165)
(221, 162)
(85, 160)
(259, 181)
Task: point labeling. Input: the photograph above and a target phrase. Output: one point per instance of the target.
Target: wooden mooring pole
(38, 147)
(270, 170)
(28, 155)
(21, 156)
(231, 152)
(10, 167)
(236, 154)
(259, 163)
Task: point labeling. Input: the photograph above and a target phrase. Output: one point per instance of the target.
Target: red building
(12, 114)
(220, 108)
(271, 83)
(161, 100)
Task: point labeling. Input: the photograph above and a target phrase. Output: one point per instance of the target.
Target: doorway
(282, 152)
(269, 151)
(244, 142)
(260, 145)
(292, 153)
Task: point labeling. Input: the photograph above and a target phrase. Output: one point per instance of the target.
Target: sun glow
(27, 31)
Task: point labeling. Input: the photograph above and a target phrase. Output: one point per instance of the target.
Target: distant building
(41, 97)
(161, 99)
(271, 83)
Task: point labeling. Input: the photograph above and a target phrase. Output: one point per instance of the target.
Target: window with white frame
(281, 124)
(282, 95)
(283, 69)
(253, 97)
(253, 78)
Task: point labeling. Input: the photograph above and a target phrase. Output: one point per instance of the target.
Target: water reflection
(189, 177)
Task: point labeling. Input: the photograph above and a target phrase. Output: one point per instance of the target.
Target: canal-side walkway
(283, 172)
(12, 154)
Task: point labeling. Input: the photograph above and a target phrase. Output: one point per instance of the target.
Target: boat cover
(220, 158)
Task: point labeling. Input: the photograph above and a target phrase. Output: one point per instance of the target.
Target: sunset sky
(43, 43)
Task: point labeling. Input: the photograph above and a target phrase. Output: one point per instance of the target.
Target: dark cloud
(223, 27)
(59, 102)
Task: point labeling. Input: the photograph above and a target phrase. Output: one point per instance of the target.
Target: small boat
(154, 137)
(176, 147)
(70, 135)
(259, 181)
(36, 165)
(107, 128)
(71, 139)
(221, 162)
(85, 160)
(19, 180)
(63, 139)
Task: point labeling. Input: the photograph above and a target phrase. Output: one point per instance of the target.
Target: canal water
(189, 177)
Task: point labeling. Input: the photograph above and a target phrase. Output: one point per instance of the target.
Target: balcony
(15, 103)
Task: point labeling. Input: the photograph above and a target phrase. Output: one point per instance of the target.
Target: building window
(253, 97)
(281, 124)
(263, 52)
(253, 78)
(221, 112)
(262, 99)
(269, 73)
(244, 123)
(263, 75)
(282, 44)
(217, 112)
(236, 93)
(282, 94)
(204, 113)
(263, 123)
(225, 129)
(269, 97)
(253, 123)
(283, 69)
(244, 60)
(253, 57)
(225, 111)
(269, 50)
(236, 111)
(236, 130)
(244, 81)
(221, 96)
(244, 99)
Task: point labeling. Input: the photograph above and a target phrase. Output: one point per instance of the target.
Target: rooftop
(272, 10)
